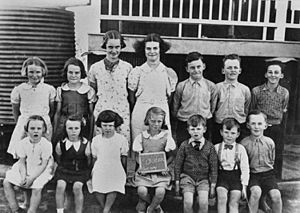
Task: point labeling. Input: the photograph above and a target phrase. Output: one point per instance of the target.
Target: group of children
(205, 112)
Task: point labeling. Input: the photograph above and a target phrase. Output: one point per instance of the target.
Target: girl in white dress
(34, 168)
(109, 151)
(33, 97)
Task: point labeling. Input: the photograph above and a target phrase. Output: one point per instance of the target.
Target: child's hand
(166, 172)
(28, 182)
(23, 182)
(140, 172)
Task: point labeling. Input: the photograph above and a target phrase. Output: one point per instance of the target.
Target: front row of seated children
(200, 167)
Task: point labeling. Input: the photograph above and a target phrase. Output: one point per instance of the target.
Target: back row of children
(150, 84)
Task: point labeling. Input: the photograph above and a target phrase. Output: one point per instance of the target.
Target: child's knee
(275, 195)
(77, 188)
(160, 191)
(6, 183)
(203, 201)
(36, 192)
(142, 191)
(255, 192)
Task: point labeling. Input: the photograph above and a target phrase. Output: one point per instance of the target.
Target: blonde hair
(34, 60)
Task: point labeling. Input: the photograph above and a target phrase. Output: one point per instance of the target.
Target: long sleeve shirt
(231, 100)
(193, 97)
(272, 103)
(198, 164)
(227, 160)
(261, 153)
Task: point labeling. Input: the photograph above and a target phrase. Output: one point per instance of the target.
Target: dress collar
(84, 88)
(146, 68)
(159, 135)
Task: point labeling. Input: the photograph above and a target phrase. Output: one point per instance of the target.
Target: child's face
(73, 74)
(155, 122)
(73, 129)
(108, 129)
(35, 130)
(195, 69)
(34, 74)
(196, 132)
(231, 69)
(113, 49)
(229, 135)
(273, 74)
(257, 124)
(152, 51)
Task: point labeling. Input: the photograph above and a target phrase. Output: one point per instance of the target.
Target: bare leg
(254, 198)
(100, 198)
(275, 196)
(60, 194)
(157, 199)
(10, 195)
(78, 196)
(203, 201)
(188, 200)
(222, 194)
(144, 198)
(110, 199)
(36, 195)
(235, 196)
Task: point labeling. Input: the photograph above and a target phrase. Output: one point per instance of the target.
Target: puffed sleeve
(173, 79)
(124, 146)
(91, 74)
(15, 96)
(134, 78)
(137, 144)
(58, 94)
(52, 94)
(92, 95)
(171, 145)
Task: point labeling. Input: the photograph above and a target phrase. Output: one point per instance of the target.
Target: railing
(272, 17)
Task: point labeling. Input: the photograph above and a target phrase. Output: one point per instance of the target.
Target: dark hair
(36, 118)
(75, 118)
(279, 63)
(156, 111)
(193, 56)
(229, 123)
(256, 112)
(231, 57)
(112, 34)
(196, 120)
(108, 116)
(75, 62)
(139, 46)
(34, 60)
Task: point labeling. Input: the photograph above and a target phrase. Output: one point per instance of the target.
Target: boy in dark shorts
(233, 174)
(261, 153)
(196, 166)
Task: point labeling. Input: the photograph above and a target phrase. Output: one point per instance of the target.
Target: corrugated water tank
(46, 33)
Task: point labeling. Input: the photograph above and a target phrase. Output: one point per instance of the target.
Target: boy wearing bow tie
(261, 153)
(196, 166)
(233, 174)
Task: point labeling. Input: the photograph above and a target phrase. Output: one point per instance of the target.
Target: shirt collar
(233, 144)
(200, 82)
(192, 141)
(278, 88)
(227, 84)
(257, 139)
(84, 88)
(76, 144)
(147, 135)
(30, 86)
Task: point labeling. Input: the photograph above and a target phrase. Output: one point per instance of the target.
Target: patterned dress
(112, 91)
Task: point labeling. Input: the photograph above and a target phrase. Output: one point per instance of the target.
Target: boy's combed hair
(108, 116)
(196, 120)
(231, 57)
(112, 34)
(279, 63)
(75, 118)
(35, 118)
(34, 60)
(193, 56)
(229, 123)
(256, 112)
(139, 46)
(76, 62)
(156, 111)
